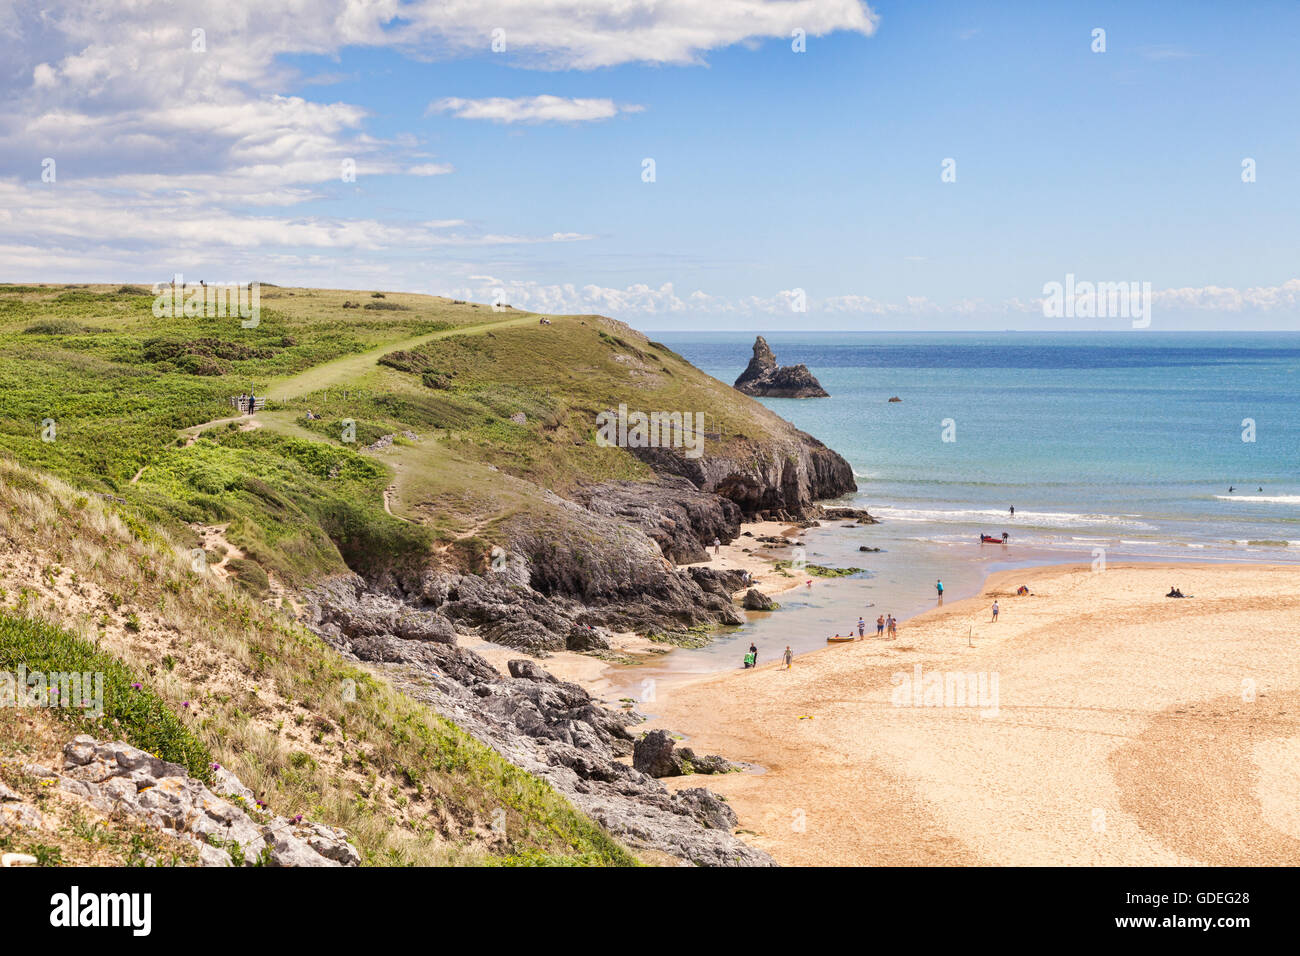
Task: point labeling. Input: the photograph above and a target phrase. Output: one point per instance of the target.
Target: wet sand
(1116, 726)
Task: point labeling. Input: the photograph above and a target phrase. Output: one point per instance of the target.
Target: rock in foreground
(764, 378)
(115, 777)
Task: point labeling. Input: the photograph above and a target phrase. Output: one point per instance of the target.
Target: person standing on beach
(862, 628)
(789, 657)
(717, 547)
(892, 622)
(880, 626)
(995, 613)
(753, 649)
(1013, 511)
(938, 586)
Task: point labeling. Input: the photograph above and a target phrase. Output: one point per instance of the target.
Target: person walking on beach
(862, 628)
(893, 627)
(880, 626)
(995, 613)
(753, 649)
(789, 657)
(938, 586)
(1013, 511)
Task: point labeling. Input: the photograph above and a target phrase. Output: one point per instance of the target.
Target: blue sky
(776, 172)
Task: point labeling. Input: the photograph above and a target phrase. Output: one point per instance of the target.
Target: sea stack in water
(764, 378)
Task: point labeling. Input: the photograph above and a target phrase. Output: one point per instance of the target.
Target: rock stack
(764, 378)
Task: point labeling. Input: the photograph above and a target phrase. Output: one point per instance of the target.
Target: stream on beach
(898, 580)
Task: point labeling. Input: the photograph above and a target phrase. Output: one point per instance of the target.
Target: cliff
(422, 472)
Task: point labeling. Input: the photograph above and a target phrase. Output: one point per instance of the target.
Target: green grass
(268, 700)
(126, 391)
(503, 410)
(132, 711)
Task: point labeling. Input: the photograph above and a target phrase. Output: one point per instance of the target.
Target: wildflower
(137, 686)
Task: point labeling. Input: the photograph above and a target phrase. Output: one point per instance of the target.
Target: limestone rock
(764, 378)
(653, 755)
(113, 776)
(657, 755)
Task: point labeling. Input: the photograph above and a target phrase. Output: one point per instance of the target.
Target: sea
(1111, 446)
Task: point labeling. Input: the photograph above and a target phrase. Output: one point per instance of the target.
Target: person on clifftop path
(789, 657)
(252, 402)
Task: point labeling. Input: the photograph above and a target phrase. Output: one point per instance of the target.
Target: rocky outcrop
(553, 592)
(677, 516)
(657, 754)
(756, 600)
(860, 515)
(551, 728)
(764, 378)
(115, 777)
(780, 479)
(721, 581)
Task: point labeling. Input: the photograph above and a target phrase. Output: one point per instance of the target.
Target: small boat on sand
(840, 640)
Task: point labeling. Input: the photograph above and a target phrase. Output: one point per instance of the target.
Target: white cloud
(531, 109)
(646, 300)
(163, 143)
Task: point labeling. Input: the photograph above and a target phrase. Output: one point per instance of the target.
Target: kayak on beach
(840, 640)
(990, 539)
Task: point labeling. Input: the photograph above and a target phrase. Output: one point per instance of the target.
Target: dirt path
(343, 370)
(194, 431)
(339, 371)
(213, 538)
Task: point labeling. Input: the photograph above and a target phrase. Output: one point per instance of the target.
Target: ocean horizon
(1124, 441)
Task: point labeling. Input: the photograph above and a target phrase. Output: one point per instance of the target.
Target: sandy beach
(1105, 724)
